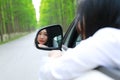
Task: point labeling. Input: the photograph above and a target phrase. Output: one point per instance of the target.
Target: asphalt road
(20, 60)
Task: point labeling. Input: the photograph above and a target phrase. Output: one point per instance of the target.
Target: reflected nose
(42, 36)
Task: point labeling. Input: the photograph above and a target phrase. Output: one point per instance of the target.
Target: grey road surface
(20, 60)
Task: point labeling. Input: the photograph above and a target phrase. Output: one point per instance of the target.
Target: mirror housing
(53, 35)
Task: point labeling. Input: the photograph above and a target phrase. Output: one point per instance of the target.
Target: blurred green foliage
(16, 16)
(57, 12)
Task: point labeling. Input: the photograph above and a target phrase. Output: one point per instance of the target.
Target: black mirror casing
(55, 37)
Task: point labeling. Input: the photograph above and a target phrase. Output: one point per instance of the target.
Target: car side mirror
(49, 38)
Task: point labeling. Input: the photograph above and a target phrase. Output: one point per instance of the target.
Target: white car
(70, 40)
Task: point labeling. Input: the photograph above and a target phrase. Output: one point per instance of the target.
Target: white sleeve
(89, 54)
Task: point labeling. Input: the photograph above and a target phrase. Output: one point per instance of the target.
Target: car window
(78, 40)
(71, 38)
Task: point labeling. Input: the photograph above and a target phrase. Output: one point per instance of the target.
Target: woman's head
(42, 37)
(96, 14)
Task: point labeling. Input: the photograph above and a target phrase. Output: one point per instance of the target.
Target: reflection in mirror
(49, 37)
(42, 38)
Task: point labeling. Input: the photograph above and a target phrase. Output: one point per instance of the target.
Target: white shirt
(102, 49)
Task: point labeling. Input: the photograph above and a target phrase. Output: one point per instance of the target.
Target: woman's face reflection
(42, 37)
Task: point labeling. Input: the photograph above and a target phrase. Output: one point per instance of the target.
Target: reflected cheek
(42, 40)
(39, 39)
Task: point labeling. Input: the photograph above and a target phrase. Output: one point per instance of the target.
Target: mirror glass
(49, 37)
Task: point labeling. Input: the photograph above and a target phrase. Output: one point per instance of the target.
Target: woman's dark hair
(99, 14)
(49, 42)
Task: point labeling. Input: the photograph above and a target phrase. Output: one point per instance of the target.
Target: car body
(70, 39)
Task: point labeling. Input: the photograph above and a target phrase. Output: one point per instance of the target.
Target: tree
(16, 16)
(57, 12)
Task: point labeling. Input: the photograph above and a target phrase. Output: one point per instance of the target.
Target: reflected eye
(45, 34)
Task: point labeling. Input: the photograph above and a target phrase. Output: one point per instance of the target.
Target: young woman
(99, 24)
(42, 38)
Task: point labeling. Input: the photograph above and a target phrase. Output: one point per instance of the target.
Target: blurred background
(19, 21)
(19, 17)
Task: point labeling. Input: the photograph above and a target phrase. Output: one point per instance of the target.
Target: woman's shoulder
(108, 31)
